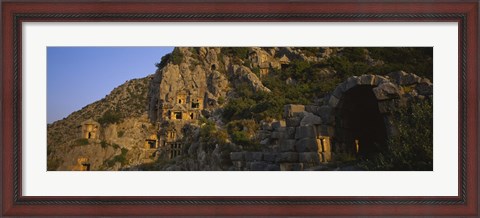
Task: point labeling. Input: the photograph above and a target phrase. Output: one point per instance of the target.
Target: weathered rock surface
(292, 143)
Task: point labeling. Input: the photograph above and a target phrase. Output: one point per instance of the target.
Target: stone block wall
(291, 144)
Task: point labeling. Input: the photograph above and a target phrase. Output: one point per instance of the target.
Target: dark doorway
(89, 135)
(195, 104)
(152, 144)
(86, 167)
(178, 115)
(361, 125)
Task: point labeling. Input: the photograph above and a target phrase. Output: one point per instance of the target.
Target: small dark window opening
(195, 104)
(87, 166)
(151, 144)
(178, 115)
(191, 116)
(214, 67)
(89, 135)
(179, 101)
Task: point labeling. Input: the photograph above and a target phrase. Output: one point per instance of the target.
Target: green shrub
(240, 52)
(163, 61)
(104, 144)
(256, 71)
(110, 117)
(116, 146)
(221, 100)
(210, 135)
(242, 133)
(240, 138)
(418, 60)
(176, 56)
(120, 133)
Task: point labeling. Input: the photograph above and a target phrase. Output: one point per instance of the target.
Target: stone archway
(359, 121)
(360, 108)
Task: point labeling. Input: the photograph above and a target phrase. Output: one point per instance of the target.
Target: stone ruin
(185, 107)
(353, 120)
(89, 129)
(266, 60)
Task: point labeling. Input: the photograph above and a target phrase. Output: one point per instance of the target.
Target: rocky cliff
(245, 109)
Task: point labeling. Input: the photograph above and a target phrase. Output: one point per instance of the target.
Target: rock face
(80, 139)
(161, 122)
(244, 74)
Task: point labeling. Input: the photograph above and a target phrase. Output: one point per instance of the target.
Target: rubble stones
(379, 80)
(312, 109)
(386, 91)
(266, 126)
(403, 78)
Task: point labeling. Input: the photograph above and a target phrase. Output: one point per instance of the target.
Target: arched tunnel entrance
(360, 126)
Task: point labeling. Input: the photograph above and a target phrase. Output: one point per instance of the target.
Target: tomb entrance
(359, 124)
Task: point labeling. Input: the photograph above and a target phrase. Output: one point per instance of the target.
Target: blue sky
(78, 76)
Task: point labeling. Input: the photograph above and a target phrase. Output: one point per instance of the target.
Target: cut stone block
(306, 145)
(237, 156)
(287, 145)
(305, 132)
(287, 157)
